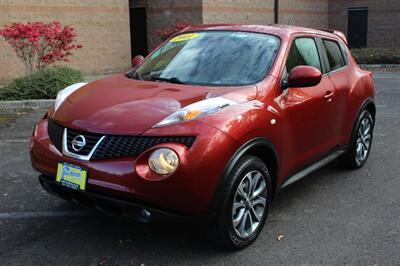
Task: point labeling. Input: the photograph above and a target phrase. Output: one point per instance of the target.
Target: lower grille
(112, 146)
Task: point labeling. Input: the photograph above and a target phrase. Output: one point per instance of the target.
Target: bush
(39, 45)
(376, 56)
(165, 33)
(42, 84)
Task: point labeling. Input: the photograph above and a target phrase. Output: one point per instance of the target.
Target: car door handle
(328, 96)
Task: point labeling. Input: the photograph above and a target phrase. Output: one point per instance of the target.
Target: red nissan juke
(211, 124)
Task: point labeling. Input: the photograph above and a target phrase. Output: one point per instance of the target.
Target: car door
(340, 77)
(307, 112)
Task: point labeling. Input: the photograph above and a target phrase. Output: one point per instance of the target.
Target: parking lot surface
(333, 216)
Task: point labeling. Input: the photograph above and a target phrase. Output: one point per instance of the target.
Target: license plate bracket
(71, 176)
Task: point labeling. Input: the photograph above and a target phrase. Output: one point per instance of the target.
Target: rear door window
(334, 54)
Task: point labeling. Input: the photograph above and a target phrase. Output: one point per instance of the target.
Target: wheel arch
(258, 147)
(369, 105)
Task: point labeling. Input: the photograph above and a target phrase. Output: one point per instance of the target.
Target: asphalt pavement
(334, 216)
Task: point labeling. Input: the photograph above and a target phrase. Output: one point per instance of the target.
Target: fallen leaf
(104, 260)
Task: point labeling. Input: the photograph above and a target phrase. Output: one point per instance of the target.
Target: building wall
(165, 13)
(238, 11)
(308, 13)
(104, 30)
(383, 20)
(102, 27)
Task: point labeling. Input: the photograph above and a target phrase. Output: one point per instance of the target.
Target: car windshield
(215, 58)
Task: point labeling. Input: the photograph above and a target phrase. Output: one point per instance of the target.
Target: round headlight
(163, 161)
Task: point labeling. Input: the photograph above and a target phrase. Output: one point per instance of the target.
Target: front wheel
(361, 142)
(245, 205)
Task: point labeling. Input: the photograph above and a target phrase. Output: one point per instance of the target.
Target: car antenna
(290, 20)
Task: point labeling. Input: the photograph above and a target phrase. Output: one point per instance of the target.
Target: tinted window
(212, 58)
(335, 57)
(303, 53)
(345, 53)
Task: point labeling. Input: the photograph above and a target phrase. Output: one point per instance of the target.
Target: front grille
(112, 146)
(91, 141)
(55, 132)
(124, 146)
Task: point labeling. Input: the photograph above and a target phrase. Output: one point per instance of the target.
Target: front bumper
(116, 205)
(188, 191)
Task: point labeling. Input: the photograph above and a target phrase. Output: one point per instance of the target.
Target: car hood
(120, 105)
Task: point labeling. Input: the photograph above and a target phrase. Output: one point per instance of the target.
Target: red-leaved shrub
(39, 44)
(165, 33)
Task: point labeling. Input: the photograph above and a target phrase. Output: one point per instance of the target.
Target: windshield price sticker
(184, 37)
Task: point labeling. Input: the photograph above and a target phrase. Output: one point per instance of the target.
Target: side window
(344, 52)
(335, 57)
(303, 53)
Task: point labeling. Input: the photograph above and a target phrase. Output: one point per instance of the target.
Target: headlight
(196, 110)
(63, 94)
(163, 161)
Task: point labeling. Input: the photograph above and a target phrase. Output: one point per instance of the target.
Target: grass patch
(6, 119)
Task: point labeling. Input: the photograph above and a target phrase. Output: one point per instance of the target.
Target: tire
(231, 227)
(361, 142)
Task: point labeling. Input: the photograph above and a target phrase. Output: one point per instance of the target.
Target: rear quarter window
(334, 54)
(344, 52)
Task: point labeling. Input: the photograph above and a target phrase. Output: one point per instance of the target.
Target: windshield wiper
(135, 75)
(170, 80)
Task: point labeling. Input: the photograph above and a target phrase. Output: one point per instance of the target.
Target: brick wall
(102, 27)
(165, 13)
(308, 13)
(238, 11)
(383, 20)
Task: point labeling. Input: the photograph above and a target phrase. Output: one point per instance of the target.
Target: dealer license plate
(71, 176)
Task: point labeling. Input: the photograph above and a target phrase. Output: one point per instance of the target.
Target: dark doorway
(138, 23)
(357, 27)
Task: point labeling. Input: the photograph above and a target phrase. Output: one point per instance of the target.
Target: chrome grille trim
(66, 152)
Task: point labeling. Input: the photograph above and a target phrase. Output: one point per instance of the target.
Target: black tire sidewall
(353, 146)
(243, 166)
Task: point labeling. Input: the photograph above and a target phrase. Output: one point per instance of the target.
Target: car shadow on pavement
(116, 237)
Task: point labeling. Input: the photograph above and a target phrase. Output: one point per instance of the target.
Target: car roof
(274, 29)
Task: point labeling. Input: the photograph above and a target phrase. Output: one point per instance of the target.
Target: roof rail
(337, 33)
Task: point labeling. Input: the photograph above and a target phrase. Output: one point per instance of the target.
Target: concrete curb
(25, 104)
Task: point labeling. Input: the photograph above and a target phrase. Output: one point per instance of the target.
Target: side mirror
(137, 60)
(304, 76)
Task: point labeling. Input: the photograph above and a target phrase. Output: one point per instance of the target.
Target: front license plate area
(71, 176)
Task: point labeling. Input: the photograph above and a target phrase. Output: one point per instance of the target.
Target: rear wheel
(246, 204)
(361, 142)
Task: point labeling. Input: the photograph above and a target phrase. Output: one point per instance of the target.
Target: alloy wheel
(249, 204)
(363, 143)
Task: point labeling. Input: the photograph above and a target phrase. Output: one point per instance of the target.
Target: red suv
(211, 124)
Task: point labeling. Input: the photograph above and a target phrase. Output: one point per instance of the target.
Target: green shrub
(43, 84)
(376, 56)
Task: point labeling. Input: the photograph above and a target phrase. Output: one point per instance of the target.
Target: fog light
(163, 161)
